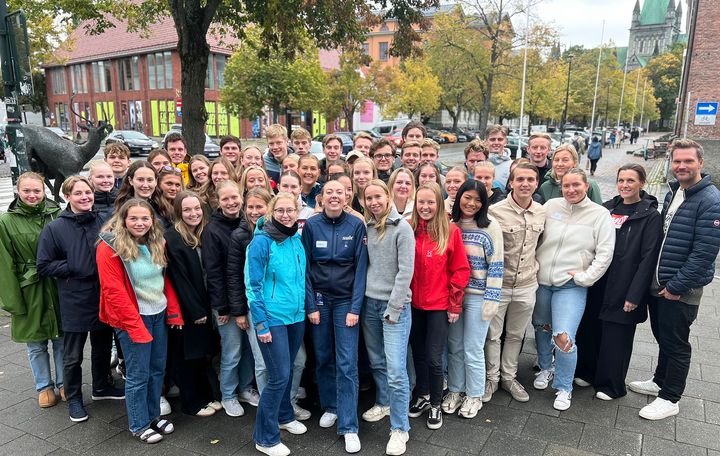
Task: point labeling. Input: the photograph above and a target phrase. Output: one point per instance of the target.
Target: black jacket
(185, 272)
(239, 240)
(630, 273)
(215, 243)
(66, 252)
(105, 203)
(497, 196)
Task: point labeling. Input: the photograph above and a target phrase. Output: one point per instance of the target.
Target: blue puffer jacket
(274, 270)
(687, 256)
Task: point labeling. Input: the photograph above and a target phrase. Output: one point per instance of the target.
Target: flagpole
(522, 91)
(597, 79)
(622, 94)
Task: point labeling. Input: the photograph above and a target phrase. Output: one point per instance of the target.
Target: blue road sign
(706, 108)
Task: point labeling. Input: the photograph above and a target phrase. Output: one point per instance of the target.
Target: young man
(476, 151)
(410, 154)
(277, 140)
(496, 139)
(414, 131)
(117, 155)
(538, 149)
(522, 221)
(332, 148)
(177, 149)
(685, 265)
(301, 141)
(362, 142)
(382, 153)
(230, 148)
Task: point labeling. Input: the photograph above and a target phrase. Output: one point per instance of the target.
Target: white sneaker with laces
(659, 409)
(397, 443)
(233, 408)
(648, 387)
(250, 396)
(206, 411)
(542, 379)
(376, 413)
(327, 420)
(451, 402)
(352, 443)
(470, 407)
(276, 450)
(580, 382)
(294, 427)
(216, 405)
(300, 413)
(165, 408)
(563, 400)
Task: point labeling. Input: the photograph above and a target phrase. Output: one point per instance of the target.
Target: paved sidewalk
(503, 426)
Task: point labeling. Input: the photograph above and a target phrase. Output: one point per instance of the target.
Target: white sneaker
(602, 396)
(451, 402)
(173, 391)
(396, 444)
(294, 427)
(376, 413)
(165, 408)
(470, 407)
(250, 396)
(659, 409)
(563, 400)
(206, 411)
(648, 387)
(580, 382)
(276, 450)
(327, 420)
(301, 393)
(215, 405)
(233, 408)
(542, 379)
(352, 443)
(300, 413)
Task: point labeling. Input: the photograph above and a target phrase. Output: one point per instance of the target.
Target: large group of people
(223, 280)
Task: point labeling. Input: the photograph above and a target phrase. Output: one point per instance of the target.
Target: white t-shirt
(674, 205)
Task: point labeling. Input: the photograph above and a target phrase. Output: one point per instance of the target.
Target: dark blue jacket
(336, 251)
(215, 243)
(687, 255)
(66, 252)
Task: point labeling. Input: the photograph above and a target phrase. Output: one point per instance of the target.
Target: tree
(417, 91)
(251, 83)
(347, 88)
(38, 100)
(665, 73)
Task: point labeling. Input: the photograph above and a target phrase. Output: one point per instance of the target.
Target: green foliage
(665, 73)
(347, 88)
(417, 90)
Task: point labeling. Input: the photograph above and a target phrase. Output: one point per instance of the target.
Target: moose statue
(57, 158)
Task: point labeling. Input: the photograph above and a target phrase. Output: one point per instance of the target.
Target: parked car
(375, 135)
(137, 142)
(462, 136)
(449, 137)
(395, 136)
(435, 136)
(387, 127)
(211, 149)
(60, 132)
(345, 136)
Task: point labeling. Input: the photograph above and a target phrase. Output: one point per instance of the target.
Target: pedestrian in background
(594, 154)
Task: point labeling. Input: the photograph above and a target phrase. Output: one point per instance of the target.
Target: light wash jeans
(236, 360)
(261, 371)
(387, 351)
(562, 309)
(40, 363)
(466, 349)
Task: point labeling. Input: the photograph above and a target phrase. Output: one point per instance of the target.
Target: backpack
(576, 145)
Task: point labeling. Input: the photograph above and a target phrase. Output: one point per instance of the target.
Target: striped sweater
(484, 249)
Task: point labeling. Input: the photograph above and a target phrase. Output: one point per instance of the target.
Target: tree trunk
(349, 116)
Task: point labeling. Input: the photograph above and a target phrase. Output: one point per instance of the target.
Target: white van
(387, 127)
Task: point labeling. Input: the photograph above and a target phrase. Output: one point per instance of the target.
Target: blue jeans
(40, 363)
(261, 371)
(275, 405)
(336, 352)
(144, 372)
(387, 351)
(558, 310)
(237, 365)
(466, 349)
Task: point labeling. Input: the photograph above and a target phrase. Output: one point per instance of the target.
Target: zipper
(272, 296)
(557, 251)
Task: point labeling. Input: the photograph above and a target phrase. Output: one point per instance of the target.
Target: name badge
(321, 244)
(557, 216)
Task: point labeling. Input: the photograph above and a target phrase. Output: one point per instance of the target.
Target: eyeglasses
(171, 169)
(383, 156)
(289, 211)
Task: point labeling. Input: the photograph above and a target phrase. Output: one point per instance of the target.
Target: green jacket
(551, 189)
(31, 300)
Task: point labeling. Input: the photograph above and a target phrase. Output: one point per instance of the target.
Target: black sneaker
(434, 420)
(77, 411)
(418, 408)
(108, 393)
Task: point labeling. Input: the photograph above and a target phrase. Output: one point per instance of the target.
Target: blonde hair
(484, 164)
(276, 130)
(126, 246)
(95, 164)
(246, 172)
(300, 133)
(189, 234)
(30, 175)
(380, 222)
(369, 162)
(260, 193)
(393, 178)
(208, 191)
(279, 196)
(429, 142)
(69, 184)
(569, 148)
(439, 227)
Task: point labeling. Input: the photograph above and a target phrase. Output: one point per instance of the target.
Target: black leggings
(428, 339)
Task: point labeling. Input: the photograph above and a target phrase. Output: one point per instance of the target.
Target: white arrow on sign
(708, 108)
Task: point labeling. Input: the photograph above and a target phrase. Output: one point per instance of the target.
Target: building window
(220, 70)
(160, 70)
(383, 48)
(129, 74)
(210, 73)
(78, 78)
(101, 76)
(58, 81)
(366, 48)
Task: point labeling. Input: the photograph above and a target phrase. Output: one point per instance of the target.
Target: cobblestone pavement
(503, 426)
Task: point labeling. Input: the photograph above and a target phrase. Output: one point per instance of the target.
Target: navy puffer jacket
(687, 256)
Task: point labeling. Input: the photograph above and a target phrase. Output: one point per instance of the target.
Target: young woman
(484, 172)
(290, 163)
(199, 172)
(618, 301)
(191, 346)
(236, 360)
(66, 253)
(170, 183)
(363, 172)
(290, 182)
(483, 240)
(251, 156)
(254, 177)
(337, 166)
(565, 158)
(440, 276)
(31, 300)
(386, 315)
(453, 180)
(159, 158)
(336, 254)
(101, 175)
(275, 265)
(139, 302)
(139, 182)
(347, 183)
(427, 172)
(309, 170)
(402, 190)
(576, 250)
(220, 170)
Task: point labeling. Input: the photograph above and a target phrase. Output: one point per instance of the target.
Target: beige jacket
(578, 238)
(521, 230)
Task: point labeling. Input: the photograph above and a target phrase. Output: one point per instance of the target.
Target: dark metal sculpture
(57, 158)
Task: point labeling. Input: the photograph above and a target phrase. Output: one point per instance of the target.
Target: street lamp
(569, 58)
(607, 102)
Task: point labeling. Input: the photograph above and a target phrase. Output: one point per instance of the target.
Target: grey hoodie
(502, 164)
(390, 264)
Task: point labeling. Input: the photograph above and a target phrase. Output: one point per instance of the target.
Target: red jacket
(118, 304)
(439, 281)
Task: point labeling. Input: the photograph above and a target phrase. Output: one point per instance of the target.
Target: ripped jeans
(558, 311)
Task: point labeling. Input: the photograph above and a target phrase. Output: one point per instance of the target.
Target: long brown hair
(189, 234)
(439, 227)
(192, 183)
(127, 191)
(208, 191)
(126, 246)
